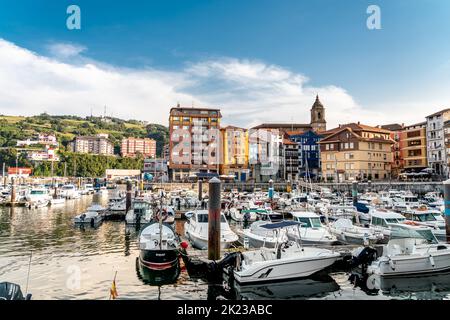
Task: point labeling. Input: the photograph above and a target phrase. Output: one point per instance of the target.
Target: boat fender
(432, 261)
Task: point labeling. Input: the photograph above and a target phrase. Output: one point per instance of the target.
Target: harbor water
(69, 262)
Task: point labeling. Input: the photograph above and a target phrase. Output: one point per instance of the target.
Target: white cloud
(65, 50)
(248, 92)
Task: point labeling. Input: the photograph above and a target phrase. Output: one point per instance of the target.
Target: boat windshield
(395, 220)
(400, 232)
(203, 218)
(37, 192)
(310, 222)
(425, 217)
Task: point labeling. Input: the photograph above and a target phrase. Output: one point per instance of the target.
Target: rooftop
(439, 112)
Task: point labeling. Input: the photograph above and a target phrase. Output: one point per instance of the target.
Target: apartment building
(437, 153)
(291, 156)
(413, 147)
(98, 144)
(130, 147)
(194, 147)
(235, 153)
(356, 151)
(308, 152)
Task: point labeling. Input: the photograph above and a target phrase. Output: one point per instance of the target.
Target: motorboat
(69, 191)
(246, 214)
(411, 250)
(140, 213)
(428, 218)
(159, 247)
(41, 203)
(381, 221)
(167, 214)
(38, 194)
(93, 218)
(289, 260)
(57, 201)
(196, 230)
(88, 188)
(258, 236)
(346, 232)
(311, 231)
(117, 203)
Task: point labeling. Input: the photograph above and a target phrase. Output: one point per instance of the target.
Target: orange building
(132, 146)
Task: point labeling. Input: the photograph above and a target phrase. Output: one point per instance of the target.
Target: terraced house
(356, 151)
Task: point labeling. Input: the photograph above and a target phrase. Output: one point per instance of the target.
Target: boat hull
(159, 259)
(283, 270)
(411, 265)
(202, 244)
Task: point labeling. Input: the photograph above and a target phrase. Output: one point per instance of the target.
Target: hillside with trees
(14, 128)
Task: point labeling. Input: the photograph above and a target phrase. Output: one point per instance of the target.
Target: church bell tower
(318, 122)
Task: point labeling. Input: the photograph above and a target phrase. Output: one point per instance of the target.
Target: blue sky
(399, 73)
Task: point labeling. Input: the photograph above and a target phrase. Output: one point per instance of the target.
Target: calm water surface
(62, 254)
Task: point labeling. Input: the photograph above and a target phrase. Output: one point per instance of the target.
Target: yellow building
(356, 151)
(235, 153)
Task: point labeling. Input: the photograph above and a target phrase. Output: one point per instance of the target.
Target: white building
(436, 149)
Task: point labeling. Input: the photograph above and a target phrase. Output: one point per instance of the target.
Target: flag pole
(114, 283)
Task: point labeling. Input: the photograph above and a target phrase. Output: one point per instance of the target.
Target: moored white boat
(411, 250)
(196, 230)
(346, 232)
(311, 230)
(288, 260)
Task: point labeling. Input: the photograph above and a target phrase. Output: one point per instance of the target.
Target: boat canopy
(282, 224)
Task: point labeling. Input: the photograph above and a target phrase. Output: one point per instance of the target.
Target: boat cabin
(385, 218)
(307, 219)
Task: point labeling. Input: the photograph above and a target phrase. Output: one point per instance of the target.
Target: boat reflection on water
(313, 287)
(424, 287)
(433, 287)
(157, 277)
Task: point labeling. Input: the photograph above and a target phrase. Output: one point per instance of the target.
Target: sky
(256, 60)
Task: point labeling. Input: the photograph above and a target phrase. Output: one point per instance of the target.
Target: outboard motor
(11, 291)
(363, 257)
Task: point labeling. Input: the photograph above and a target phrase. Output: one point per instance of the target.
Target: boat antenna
(29, 269)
